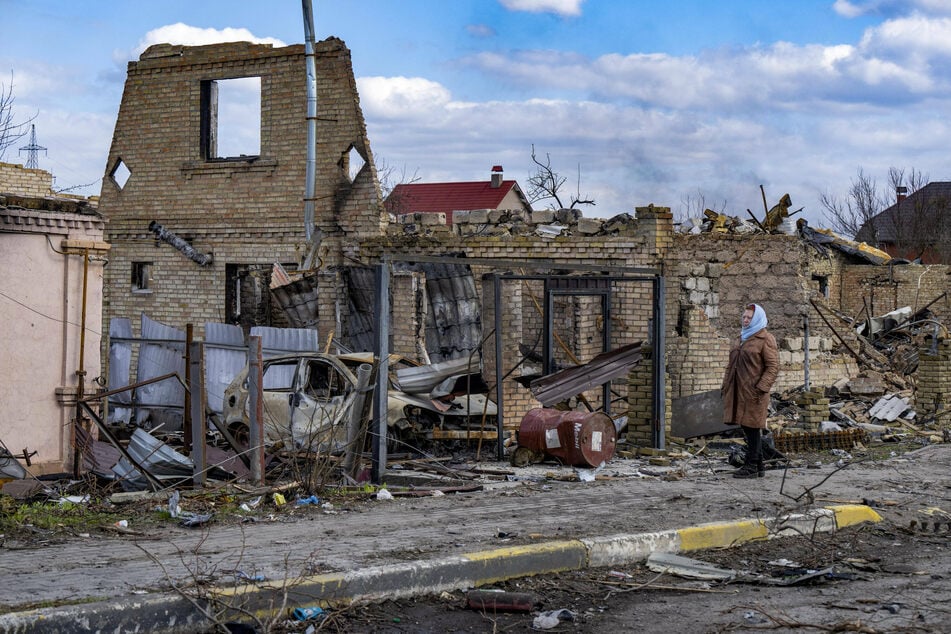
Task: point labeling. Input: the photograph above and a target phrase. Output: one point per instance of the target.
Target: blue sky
(682, 103)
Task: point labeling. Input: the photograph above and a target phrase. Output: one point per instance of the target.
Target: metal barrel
(575, 438)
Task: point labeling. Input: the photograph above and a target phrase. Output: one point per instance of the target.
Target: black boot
(760, 469)
(746, 471)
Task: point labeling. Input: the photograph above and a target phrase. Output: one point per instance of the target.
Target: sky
(688, 104)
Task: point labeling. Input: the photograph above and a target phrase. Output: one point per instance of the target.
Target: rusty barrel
(580, 439)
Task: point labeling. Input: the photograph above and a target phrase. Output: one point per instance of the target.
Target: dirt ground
(883, 578)
(887, 577)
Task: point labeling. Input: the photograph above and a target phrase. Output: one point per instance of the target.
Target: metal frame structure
(555, 284)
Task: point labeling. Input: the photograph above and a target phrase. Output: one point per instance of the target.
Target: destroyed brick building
(195, 236)
(236, 214)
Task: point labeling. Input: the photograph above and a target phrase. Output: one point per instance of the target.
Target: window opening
(141, 277)
(353, 163)
(231, 118)
(823, 281)
(120, 174)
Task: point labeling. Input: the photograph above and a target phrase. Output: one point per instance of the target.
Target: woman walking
(749, 377)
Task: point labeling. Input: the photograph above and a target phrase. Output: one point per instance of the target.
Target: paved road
(107, 566)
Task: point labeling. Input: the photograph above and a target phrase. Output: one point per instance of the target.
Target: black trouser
(754, 444)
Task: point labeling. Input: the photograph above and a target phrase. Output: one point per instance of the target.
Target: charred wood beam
(163, 234)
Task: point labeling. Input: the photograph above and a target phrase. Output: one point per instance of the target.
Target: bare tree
(389, 177)
(693, 207)
(862, 203)
(918, 227)
(547, 184)
(11, 130)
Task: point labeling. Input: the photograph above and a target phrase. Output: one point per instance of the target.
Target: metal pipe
(356, 419)
(163, 234)
(81, 372)
(659, 366)
(311, 174)
(382, 354)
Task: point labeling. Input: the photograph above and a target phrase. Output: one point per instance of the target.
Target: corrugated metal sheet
(453, 326)
(120, 369)
(557, 387)
(889, 408)
(454, 318)
(423, 379)
(298, 300)
(159, 459)
(281, 341)
(222, 364)
(361, 293)
(156, 359)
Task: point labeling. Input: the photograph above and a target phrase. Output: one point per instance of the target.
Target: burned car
(310, 399)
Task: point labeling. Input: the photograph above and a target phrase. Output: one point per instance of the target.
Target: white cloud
(188, 35)
(559, 7)
(858, 8)
(480, 30)
(401, 97)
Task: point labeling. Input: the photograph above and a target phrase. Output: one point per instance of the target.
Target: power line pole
(33, 149)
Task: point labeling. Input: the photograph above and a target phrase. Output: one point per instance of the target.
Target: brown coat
(749, 376)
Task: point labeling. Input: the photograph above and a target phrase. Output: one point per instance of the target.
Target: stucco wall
(41, 309)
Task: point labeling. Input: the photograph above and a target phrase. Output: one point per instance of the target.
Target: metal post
(382, 353)
(499, 418)
(81, 372)
(256, 407)
(187, 414)
(195, 396)
(605, 346)
(660, 364)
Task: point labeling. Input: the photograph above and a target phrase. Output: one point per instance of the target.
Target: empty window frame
(231, 118)
(141, 277)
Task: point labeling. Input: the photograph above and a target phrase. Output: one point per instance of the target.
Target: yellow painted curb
(852, 514)
(721, 534)
(527, 549)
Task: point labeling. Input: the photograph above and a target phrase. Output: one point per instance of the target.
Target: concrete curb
(172, 613)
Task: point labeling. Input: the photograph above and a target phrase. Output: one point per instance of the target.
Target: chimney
(496, 176)
(901, 193)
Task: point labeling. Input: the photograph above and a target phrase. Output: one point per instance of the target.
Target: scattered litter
(687, 567)
(279, 499)
(785, 563)
(74, 499)
(173, 503)
(753, 618)
(308, 501)
(308, 613)
(191, 520)
(383, 494)
(122, 524)
(550, 619)
(500, 601)
(240, 574)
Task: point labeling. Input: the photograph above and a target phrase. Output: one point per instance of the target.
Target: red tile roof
(448, 197)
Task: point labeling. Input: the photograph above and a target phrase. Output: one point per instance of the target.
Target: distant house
(495, 193)
(917, 226)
